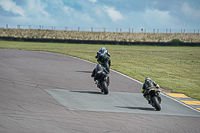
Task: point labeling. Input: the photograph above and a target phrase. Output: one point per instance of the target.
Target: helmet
(99, 70)
(102, 50)
(99, 67)
(147, 79)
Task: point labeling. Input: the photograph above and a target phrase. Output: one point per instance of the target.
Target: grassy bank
(173, 68)
(104, 36)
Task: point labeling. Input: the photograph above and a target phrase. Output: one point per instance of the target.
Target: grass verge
(173, 68)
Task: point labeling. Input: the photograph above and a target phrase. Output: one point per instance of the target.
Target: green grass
(173, 68)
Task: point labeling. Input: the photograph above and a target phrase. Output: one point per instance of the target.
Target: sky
(113, 15)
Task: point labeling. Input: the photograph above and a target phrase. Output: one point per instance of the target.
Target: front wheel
(157, 105)
(104, 87)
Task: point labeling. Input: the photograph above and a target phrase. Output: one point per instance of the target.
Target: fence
(97, 29)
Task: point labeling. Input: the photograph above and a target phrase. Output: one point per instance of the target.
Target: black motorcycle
(154, 98)
(103, 83)
(104, 60)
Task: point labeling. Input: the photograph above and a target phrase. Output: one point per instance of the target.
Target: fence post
(91, 29)
(18, 26)
(153, 31)
(40, 27)
(120, 30)
(194, 30)
(6, 26)
(116, 29)
(29, 26)
(65, 28)
(157, 30)
(170, 31)
(166, 31)
(104, 29)
(132, 30)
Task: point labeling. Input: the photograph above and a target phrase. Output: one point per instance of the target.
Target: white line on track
(142, 83)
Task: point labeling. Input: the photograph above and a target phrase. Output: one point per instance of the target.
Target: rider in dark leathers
(147, 84)
(98, 72)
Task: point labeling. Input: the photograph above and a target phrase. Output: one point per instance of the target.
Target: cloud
(93, 1)
(68, 9)
(115, 15)
(155, 17)
(11, 6)
(105, 13)
(190, 12)
(36, 8)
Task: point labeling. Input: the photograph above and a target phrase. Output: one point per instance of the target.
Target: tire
(157, 105)
(104, 87)
(107, 67)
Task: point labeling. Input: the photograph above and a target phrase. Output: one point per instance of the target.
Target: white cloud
(11, 6)
(149, 19)
(157, 17)
(68, 9)
(93, 1)
(32, 12)
(99, 14)
(36, 8)
(189, 11)
(115, 15)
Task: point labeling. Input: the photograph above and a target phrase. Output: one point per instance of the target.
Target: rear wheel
(157, 105)
(104, 87)
(107, 67)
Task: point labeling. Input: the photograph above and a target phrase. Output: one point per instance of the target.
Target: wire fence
(102, 29)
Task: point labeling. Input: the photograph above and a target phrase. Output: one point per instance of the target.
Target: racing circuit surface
(52, 93)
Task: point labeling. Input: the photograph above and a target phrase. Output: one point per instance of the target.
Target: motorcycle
(103, 83)
(103, 60)
(153, 97)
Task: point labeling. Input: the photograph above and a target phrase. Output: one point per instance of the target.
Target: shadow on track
(89, 92)
(85, 71)
(140, 108)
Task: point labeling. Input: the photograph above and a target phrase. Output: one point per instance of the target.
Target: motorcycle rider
(98, 72)
(101, 51)
(146, 85)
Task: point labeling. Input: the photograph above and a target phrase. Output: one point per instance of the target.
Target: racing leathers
(146, 85)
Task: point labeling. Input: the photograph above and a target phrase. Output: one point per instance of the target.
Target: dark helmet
(147, 79)
(99, 67)
(99, 70)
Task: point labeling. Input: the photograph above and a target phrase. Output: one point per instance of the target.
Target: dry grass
(108, 36)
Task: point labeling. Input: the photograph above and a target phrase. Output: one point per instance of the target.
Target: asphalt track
(52, 93)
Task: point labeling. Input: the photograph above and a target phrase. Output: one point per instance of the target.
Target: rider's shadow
(139, 108)
(84, 71)
(89, 92)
